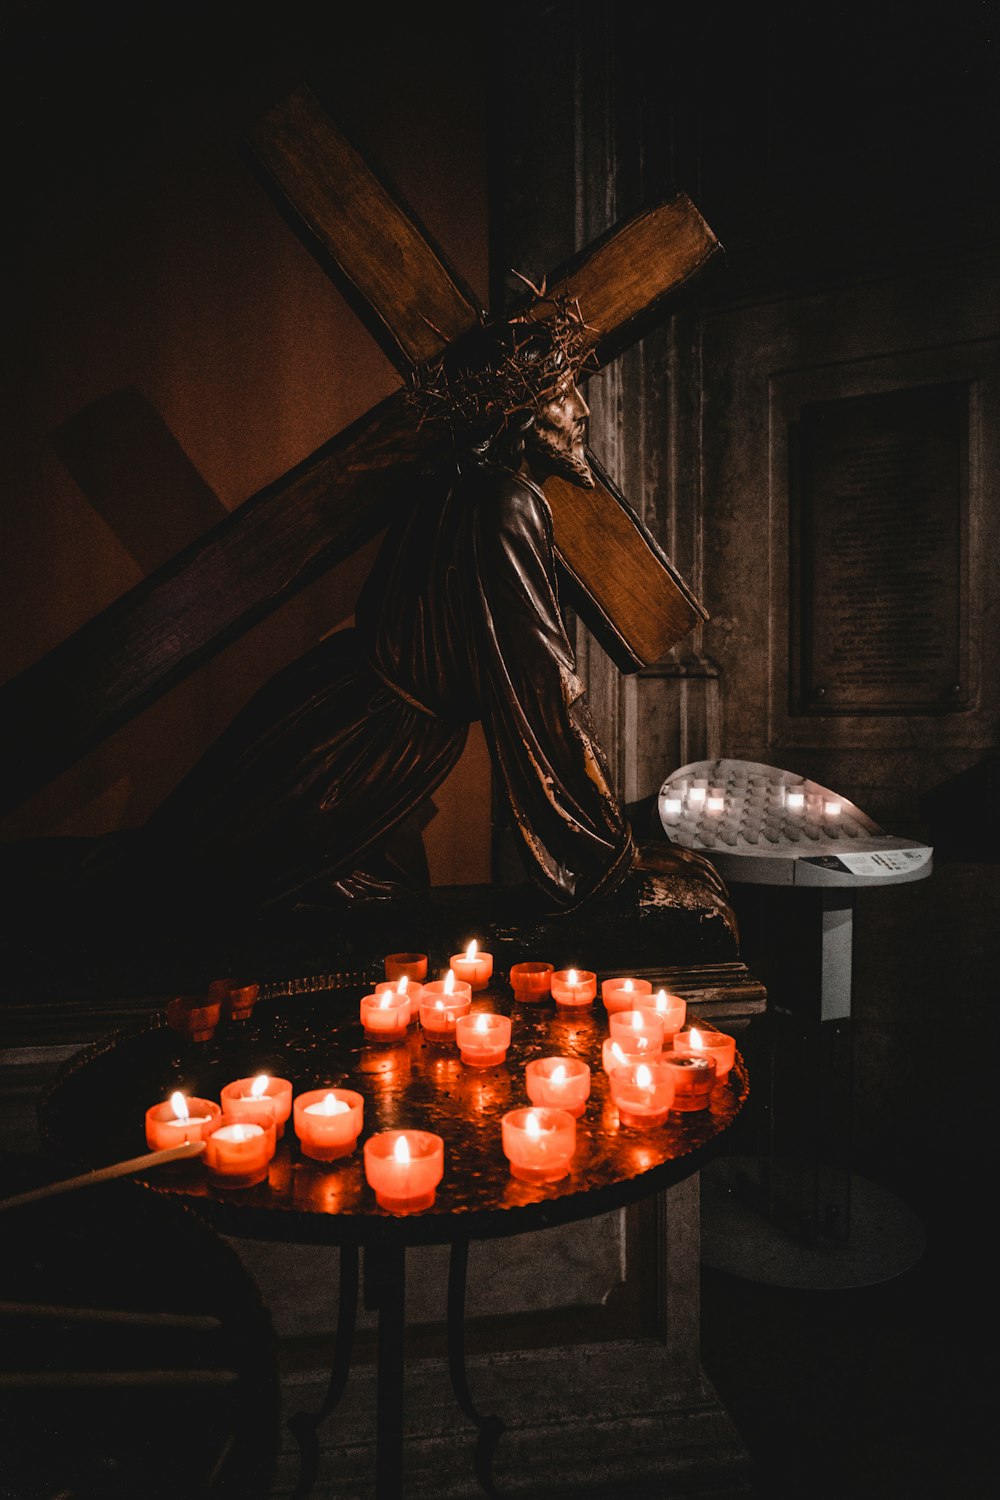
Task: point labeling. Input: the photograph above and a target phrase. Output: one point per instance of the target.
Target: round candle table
(93, 1114)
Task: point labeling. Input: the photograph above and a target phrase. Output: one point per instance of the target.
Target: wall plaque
(879, 500)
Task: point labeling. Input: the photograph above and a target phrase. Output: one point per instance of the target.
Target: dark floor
(886, 1391)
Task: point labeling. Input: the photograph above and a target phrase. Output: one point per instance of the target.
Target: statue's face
(558, 436)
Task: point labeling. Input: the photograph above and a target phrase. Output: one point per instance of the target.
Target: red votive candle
(328, 1122)
(278, 1090)
(671, 1010)
(236, 996)
(531, 982)
(404, 1167)
(404, 985)
(622, 993)
(643, 1092)
(473, 966)
(538, 1143)
(385, 1017)
(413, 965)
(558, 1083)
(694, 1080)
(194, 1016)
(616, 1051)
(631, 1026)
(179, 1120)
(442, 1001)
(715, 1044)
(238, 1152)
(574, 986)
(482, 1038)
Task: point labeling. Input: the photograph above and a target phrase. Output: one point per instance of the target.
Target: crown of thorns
(508, 368)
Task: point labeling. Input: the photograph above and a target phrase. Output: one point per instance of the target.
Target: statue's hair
(499, 376)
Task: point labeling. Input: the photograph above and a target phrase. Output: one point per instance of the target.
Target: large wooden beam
(292, 531)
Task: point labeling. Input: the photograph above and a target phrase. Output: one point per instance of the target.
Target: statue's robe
(459, 620)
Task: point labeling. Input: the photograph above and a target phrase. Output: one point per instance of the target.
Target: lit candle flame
(402, 984)
(696, 1039)
(643, 1077)
(241, 1133)
(385, 1000)
(617, 1053)
(628, 985)
(331, 1105)
(401, 1150)
(259, 1086)
(661, 999)
(482, 1024)
(472, 949)
(531, 1125)
(449, 982)
(179, 1105)
(637, 1021)
(571, 977)
(558, 1074)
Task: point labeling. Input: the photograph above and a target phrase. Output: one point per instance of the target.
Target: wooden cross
(616, 575)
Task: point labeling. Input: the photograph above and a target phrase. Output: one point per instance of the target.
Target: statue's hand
(659, 857)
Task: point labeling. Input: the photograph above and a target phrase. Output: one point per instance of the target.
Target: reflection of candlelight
(831, 809)
(796, 801)
(671, 807)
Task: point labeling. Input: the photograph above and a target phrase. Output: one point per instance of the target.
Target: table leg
(490, 1428)
(304, 1424)
(385, 1291)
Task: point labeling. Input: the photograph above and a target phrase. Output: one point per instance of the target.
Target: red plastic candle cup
(238, 1152)
(194, 1016)
(622, 994)
(531, 982)
(643, 1093)
(574, 986)
(538, 1143)
(404, 1167)
(671, 1010)
(385, 1017)
(179, 1120)
(483, 1038)
(715, 1044)
(278, 1090)
(632, 1026)
(328, 1122)
(558, 1083)
(442, 1001)
(694, 1080)
(473, 966)
(413, 965)
(258, 1111)
(403, 986)
(616, 1053)
(236, 997)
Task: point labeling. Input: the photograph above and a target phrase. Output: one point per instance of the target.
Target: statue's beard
(561, 454)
